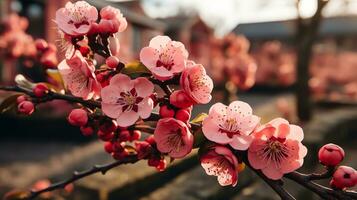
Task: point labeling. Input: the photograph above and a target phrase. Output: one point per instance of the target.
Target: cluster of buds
(24, 103)
(119, 142)
(24, 106)
(331, 155)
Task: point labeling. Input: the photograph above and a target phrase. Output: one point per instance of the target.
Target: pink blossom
(164, 57)
(112, 20)
(75, 19)
(231, 124)
(219, 161)
(78, 76)
(196, 83)
(277, 149)
(173, 137)
(126, 100)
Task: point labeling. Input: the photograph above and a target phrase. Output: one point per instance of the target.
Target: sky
(224, 15)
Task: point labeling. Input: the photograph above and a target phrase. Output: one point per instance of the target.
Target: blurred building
(341, 29)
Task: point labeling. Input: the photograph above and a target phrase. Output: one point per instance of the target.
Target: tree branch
(322, 191)
(79, 175)
(305, 180)
(277, 186)
(53, 95)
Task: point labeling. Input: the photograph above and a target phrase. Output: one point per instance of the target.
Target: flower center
(274, 150)
(197, 81)
(174, 139)
(230, 127)
(129, 100)
(166, 59)
(78, 17)
(78, 24)
(164, 64)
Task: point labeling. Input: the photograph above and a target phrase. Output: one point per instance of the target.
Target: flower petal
(212, 133)
(122, 81)
(143, 87)
(127, 118)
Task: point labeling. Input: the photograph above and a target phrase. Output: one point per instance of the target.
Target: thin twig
(79, 175)
(322, 191)
(277, 186)
(327, 174)
(53, 95)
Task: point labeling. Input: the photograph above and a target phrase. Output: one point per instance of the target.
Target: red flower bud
(87, 130)
(183, 115)
(41, 44)
(40, 185)
(20, 99)
(108, 147)
(344, 177)
(135, 135)
(78, 117)
(118, 146)
(166, 112)
(158, 163)
(120, 155)
(151, 140)
(143, 149)
(105, 136)
(112, 62)
(108, 126)
(26, 107)
(331, 155)
(180, 99)
(40, 90)
(69, 188)
(124, 136)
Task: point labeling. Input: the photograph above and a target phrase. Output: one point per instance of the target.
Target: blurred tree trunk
(306, 33)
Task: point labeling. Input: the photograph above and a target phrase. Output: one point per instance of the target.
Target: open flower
(277, 148)
(112, 20)
(231, 124)
(196, 83)
(164, 57)
(173, 137)
(78, 76)
(126, 100)
(75, 19)
(219, 161)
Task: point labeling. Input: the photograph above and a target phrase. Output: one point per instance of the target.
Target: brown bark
(306, 33)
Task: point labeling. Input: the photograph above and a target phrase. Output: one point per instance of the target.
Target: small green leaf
(8, 103)
(199, 118)
(134, 69)
(56, 76)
